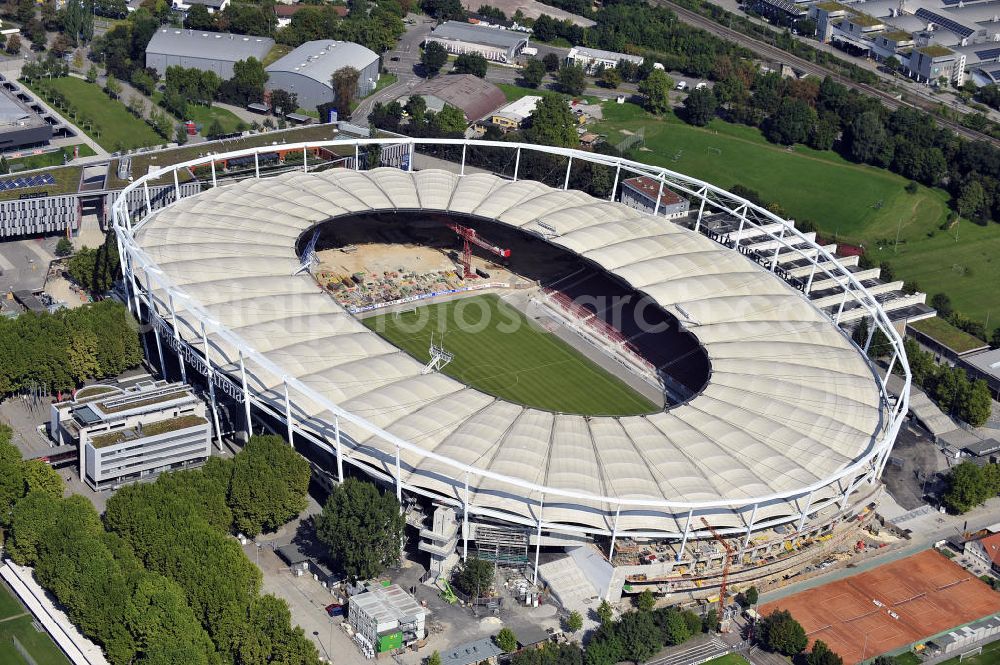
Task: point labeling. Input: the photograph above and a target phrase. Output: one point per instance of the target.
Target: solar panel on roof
(28, 181)
(944, 22)
(988, 54)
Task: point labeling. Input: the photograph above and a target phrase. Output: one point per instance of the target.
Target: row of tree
(60, 351)
(637, 635)
(970, 485)
(950, 386)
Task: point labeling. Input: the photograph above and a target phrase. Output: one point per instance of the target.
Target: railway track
(773, 52)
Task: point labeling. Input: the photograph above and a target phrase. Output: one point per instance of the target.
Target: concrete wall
(160, 62)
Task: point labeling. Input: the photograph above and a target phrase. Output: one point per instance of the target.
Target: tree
(552, 123)
(506, 640)
(646, 601)
(532, 73)
(112, 87)
(283, 102)
(942, 303)
(96, 269)
(13, 46)
(471, 63)
(434, 658)
(867, 140)
(975, 403)
(386, 116)
(892, 64)
(792, 122)
(572, 80)
(638, 635)
(474, 577)
(246, 84)
(64, 247)
(752, 596)
(268, 485)
(36, 34)
(551, 62)
(198, 18)
(656, 89)
(699, 107)
(345, 89)
(433, 58)
(675, 628)
(972, 200)
(444, 10)
(181, 134)
(92, 74)
(711, 621)
(781, 633)
(605, 613)
(574, 622)
(449, 122)
(362, 527)
(611, 78)
(822, 655)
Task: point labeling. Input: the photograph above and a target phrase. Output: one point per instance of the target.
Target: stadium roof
(321, 58)
(475, 97)
(478, 34)
(789, 402)
(210, 45)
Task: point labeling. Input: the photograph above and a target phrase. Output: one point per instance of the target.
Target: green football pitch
(498, 351)
(16, 624)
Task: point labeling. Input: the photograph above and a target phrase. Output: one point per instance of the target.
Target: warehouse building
(308, 70)
(473, 96)
(386, 618)
(208, 51)
(493, 44)
(124, 434)
(640, 193)
(592, 59)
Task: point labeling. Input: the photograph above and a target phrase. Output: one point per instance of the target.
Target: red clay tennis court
(926, 592)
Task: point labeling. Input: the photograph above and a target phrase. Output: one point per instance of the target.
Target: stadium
(765, 449)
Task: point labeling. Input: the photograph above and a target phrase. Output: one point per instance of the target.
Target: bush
(506, 640)
(474, 577)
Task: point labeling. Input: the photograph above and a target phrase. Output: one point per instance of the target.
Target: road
(775, 53)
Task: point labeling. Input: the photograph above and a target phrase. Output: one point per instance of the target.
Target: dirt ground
(912, 469)
(890, 606)
(60, 289)
(378, 258)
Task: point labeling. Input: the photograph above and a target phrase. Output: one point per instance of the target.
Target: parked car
(335, 609)
(682, 85)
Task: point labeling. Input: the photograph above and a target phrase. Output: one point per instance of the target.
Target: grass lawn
(38, 644)
(728, 659)
(204, 115)
(110, 123)
(67, 182)
(499, 352)
(990, 656)
(384, 81)
(277, 52)
(908, 658)
(954, 338)
(52, 158)
(849, 202)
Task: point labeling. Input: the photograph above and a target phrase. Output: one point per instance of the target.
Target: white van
(682, 85)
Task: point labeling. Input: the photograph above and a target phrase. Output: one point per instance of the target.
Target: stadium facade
(779, 452)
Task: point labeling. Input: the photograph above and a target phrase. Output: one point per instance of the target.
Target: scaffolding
(503, 546)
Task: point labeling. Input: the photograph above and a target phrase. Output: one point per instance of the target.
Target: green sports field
(16, 622)
(497, 350)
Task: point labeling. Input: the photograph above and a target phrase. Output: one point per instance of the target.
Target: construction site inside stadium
(713, 422)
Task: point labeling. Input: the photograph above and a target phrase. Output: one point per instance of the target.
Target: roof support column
(399, 482)
(753, 518)
(739, 231)
(305, 160)
(177, 337)
(847, 494)
(843, 301)
(659, 195)
(159, 350)
(145, 191)
(340, 454)
(812, 273)
(687, 532)
(256, 164)
(211, 387)
(357, 156)
(409, 162)
(214, 182)
(517, 163)
(177, 187)
(464, 146)
(122, 259)
(777, 249)
(538, 539)
(569, 165)
(288, 415)
(892, 364)
(701, 209)
(465, 520)
(246, 396)
(614, 533)
(871, 334)
(805, 513)
(614, 185)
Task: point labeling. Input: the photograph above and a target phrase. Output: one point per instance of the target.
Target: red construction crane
(469, 238)
(730, 551)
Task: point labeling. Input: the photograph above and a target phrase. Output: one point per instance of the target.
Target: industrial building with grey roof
(494, 44)
(473, 96)
(308, 70)
(208, 51)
